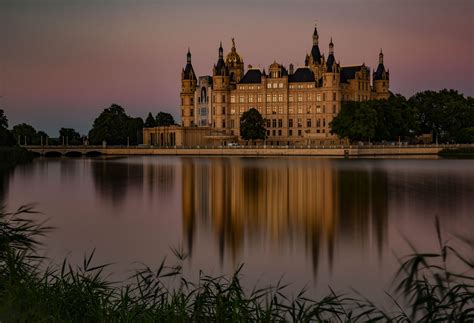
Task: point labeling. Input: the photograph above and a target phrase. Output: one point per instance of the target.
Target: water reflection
(306, 203)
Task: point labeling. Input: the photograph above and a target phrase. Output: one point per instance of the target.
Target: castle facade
(297, 103)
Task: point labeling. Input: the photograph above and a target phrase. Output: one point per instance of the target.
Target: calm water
(316, 222)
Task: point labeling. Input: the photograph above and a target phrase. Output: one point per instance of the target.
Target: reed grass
(85, 293)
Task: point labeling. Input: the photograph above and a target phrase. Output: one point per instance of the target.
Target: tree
(164, 119)
(356, 121)
(115, 127)
(252, 125)
(6, 137)
(23, 131)
(69, 136)
(446, 114)
(150, 122)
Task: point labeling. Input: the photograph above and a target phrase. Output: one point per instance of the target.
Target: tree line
(447, 116)
(113, 126)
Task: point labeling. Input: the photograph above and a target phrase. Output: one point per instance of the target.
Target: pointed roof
(253, 75)
(188, 71)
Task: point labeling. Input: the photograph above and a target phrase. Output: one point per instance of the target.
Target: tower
(314, 59)
(235, 64)
(188, 87)
(381, 80)
(220, 90)
(331, 86)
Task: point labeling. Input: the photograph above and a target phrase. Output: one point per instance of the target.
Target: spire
(315, 36)
(381, 57)
(221, 51)
(331, 47)
(188, 56)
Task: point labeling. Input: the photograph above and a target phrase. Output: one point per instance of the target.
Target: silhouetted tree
(6, 137)
(252, 125)
(356, 121)
(115, 127)
(71, 136)
(150, 122)
(164, 119)
(26, 132)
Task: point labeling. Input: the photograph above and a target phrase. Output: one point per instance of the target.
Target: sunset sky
(63, 61)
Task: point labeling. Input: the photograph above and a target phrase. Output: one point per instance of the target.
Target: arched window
(203, 95)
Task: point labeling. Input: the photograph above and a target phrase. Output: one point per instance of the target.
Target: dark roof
(220, 67)
(302, 74)
(316, 54)
(252, 76)
(187, 72)
(378, 75)
(348, 73)
(330, 62)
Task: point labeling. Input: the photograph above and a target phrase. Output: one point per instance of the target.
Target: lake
(314, 222)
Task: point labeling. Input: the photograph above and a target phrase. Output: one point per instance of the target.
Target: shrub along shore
(11, 156)
(28, 292)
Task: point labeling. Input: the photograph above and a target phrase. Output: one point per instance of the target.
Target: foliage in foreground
(67, 293)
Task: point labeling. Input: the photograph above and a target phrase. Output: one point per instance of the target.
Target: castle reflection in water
(310, 203)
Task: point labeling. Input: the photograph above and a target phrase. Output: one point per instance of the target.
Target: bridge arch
(52, 153)
(73, 153)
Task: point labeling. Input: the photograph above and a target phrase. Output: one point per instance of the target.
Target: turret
(235, 64)
(381, 80)
(314, 59)
(220, 90)
(188, 87)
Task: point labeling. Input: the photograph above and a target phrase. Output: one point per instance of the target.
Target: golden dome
(233, 58)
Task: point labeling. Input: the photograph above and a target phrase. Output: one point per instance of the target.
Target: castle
(298, 104)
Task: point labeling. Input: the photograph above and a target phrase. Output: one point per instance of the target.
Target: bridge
(90, 151)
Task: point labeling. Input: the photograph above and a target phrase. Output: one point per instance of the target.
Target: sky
(63, 61)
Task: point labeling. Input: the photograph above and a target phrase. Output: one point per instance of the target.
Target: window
(213, 98)
(324, 123)
(269, 98)
(251, 98)
(299, 132)
(334, 109)
(232, 111)
(290, 123)
(203, 111)
(223, 110)
(309, 110)
(300, 97)
(308, 123)
(274, 97)
(223, 98)
(324, 96)
(259, 98)
(275, 85)
(280, 110)
(232, 99)
(232, 125)
(274, 132)
(192, 101)
(280, 123)
(241, 98)
(290, 98)
(318, 97)
(310, 97)
(269, 110)
(269, 85)
(334, 96)
(318, 123)
(274, 110)
(280, 85)
(279, 132)
(223, 123)
(299, 123)
(192, 112)
(324, 109)
(268, 133)
(290, 132)
(268, 123)
(280, 97)
(290, 110)
(300, 110)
